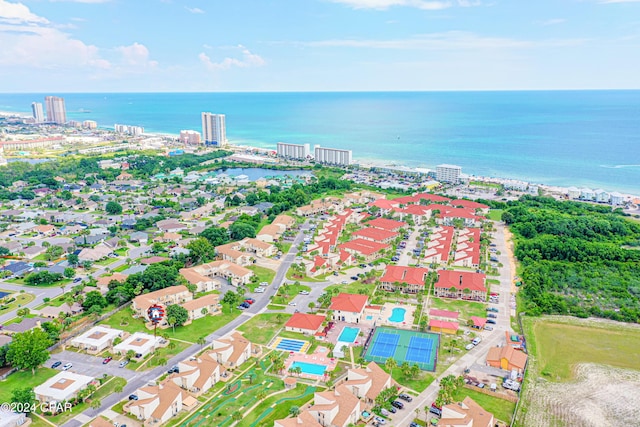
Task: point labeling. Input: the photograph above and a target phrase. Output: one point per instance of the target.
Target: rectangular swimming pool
(349, 334)
(310, 368)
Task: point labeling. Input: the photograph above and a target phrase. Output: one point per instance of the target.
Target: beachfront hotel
(293, 151)
(332, 156)
(214, 131)
(190, 137)
(448, 173)
(38, 112)
(56, 111)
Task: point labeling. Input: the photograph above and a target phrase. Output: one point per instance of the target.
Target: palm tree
(202, 341)
(118, 388)
(237, 416)
(261, 394)
(95, 403)
(171, 345)
(294, 411)
(390, 364)
(297, 370)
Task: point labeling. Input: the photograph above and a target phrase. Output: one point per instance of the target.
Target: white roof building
(97, 338)
(62, 386)
(141, 343)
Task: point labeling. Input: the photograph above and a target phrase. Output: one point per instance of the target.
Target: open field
(466, 308)
(22, 379)
(263, 327)
(500, 408)
(581, 373)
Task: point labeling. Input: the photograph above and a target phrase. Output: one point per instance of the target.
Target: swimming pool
(397, 315)
(349, 334)
(310, 368)
(369, 317)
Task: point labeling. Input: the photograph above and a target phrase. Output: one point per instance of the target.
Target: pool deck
(334, 333)
(319, 357)
(387, 310)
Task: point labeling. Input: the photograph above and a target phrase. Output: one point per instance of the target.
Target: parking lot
(90, 365)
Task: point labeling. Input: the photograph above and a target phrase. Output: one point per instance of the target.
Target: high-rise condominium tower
(214, 131)
(56, 112)
(38, 112)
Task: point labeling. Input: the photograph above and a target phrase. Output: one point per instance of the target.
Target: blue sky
(317, 45)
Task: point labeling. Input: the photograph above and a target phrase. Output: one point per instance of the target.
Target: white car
(292, 304)
(380, 420)
(264, 284)
(67, 366)
(259, 290)
(304, 292)
(469, 346)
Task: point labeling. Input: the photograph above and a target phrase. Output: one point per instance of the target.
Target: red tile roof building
(304, 323)
(443, 326)
(364, 248)
(461, 284)
(386, 224)
(375, 235)
(409, 279)
(348, 307)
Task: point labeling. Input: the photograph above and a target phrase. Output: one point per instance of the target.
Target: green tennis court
(415, 348)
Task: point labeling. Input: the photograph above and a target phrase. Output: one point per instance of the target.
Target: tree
(95, 403)
(201, 341)
(28, 350)
(24, 396)
(294, 411)
(176, 315)
(230, 298)
(201, 250)
(237, 415)
(119, 387)
(94, 298)
(69, 272)
(43, 278)
(72, 259)
(240, 230)
(113, 208)
(130, 354)
(216, 235)
(53, 252)
(390, 363)
(157, 247)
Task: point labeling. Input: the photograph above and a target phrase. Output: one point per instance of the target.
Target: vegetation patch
(263, 327)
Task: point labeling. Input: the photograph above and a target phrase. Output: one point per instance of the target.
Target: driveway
(91, 365)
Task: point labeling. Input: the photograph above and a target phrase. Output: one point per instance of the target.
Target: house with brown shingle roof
(367, 383)
(203, 283)
(231, 252)
(235, 274)
(337, 408)
(197, 376)
(171, 295)
(465, 414)
(232, 351)
(157, 404)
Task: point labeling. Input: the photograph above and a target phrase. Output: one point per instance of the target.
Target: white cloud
(420, 4)
(17, 13)
(450, 40)
(248, 60)
(195, 10)
(136, 55)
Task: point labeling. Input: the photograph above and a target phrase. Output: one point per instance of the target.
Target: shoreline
(369, 162)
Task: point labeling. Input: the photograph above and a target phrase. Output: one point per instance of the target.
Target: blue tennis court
(413, 347)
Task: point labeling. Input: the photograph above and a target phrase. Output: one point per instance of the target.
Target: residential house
(366, 249)
(139, 236)
(141, 343)
(231, 252)
(53, 312)
(305, 419)
(387, 224)
(97, 339)
(461, 284)
(30, 252)
(203, 283)
(409, 279)
(63, 386)
(197, 376)
(157, 404)
(465, 414)
(348, 307)
(17, 269)
(308, 324)
(367, 383)
(232, 351)
(507, 358)
(167, 296)
(200, 307)
(235, 274)
(45, 230)
(337, 408)
(170, 225)
(25, 324)
(375, 235)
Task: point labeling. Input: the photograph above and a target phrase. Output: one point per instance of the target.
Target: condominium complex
(332, 156)
(190, 137)
(129, 130)
(56, 112)
(448, 173)
(293, 151)
(89, 124)
(38, 112)
(214, 130)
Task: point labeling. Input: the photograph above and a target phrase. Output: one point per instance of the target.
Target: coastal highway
(142, 378)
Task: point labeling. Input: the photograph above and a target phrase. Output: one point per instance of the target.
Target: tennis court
(419, 348)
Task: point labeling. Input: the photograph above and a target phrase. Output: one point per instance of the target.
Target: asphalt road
(142, 378)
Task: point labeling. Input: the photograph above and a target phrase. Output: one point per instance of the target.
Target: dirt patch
(601, 396)
(508, 244)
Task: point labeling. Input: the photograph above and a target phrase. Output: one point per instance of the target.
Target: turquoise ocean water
(581, 138)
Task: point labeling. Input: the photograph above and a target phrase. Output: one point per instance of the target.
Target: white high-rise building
(293, 151)
(129, 130)
(56, 111)
(214, 131)
(448, 173)
(332, 156)
(38, 112)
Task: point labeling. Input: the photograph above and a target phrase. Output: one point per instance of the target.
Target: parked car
(123, 363)
(292, 304)
(493, 309)
(304, 292)
(491, 321)
(77, 279)
(355, 278)
(492, 315)
(414, 424)
(107, 360)
(405, 397)
(133, 397)
(56, 364)
(397, 404)
(259, 290)
(469, 346)
(173, 369)
(249, 301)
(67, 366)
(476, 341)
(392, 409)
(435, 411)
(384, 412)
(380, 420)
(488, 328)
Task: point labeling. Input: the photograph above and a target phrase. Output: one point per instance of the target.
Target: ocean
(562, 138)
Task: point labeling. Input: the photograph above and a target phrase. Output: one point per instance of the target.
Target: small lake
(3, 294)
(256, 173)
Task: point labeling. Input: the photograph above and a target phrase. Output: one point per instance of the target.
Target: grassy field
(495, 214)
(277, 407)
(353, 288)
(466, 308)
(264, 274)
(263, 327)
(286, 293)
(500, 408)
(22, 379)
(559, 344)
(21, 299)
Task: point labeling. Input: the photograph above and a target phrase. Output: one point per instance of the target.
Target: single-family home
(97, 339)
(507, 358)
(308, 324)
(63, 386)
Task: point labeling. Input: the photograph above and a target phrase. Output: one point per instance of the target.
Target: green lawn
(21, 299)
(495, 214)
(466, 308)
(500, 408)
(121, 268)
(276, 307)
(285, 247)
(286, 293)
(418, 383)
(106, 261)
(277, 407)
(263, 274)
(123, 320)
(121, 251)
(353, 288)
(290, 276)
(22, 379)
(558, 346)
(263, 327)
